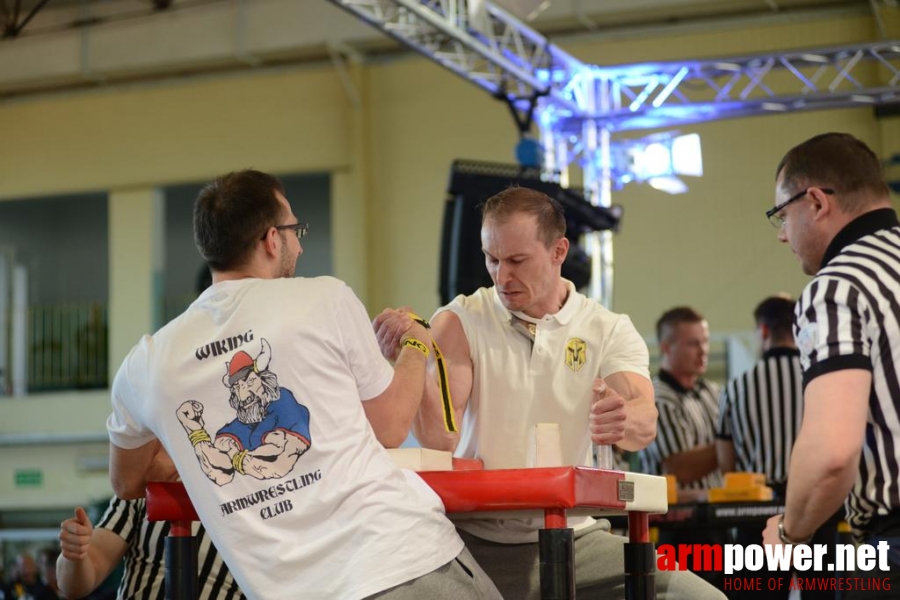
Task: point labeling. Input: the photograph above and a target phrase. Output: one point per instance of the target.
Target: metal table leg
(181, 562)
(640, 559)
(557, 557)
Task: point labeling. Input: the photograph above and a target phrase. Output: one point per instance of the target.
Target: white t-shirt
(304, 502)
(518, 383)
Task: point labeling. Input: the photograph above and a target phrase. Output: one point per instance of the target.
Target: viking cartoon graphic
(271, 430)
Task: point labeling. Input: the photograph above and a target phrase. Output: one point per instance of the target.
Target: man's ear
(271, 242)
(765, 332)
(560, 250)
(823, 204)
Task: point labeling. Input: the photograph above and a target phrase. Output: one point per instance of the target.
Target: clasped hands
(393, 326)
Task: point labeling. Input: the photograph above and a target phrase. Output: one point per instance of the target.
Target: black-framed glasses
(299, 229)
(775, 219)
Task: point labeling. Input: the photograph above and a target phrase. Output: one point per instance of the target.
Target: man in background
(688, 404)
(759, 418)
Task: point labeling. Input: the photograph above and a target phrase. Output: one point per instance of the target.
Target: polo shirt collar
(673, 383)
(563, 316)
(861, 226)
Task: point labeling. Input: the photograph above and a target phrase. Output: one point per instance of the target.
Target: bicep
(128, 469)
(836, 407)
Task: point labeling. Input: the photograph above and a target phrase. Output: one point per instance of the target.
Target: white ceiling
(70, 44)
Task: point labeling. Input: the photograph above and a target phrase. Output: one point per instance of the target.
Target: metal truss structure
(580, 106)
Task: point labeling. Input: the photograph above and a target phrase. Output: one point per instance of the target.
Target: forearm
(78, 578)
(817, 487)
(640, 424)
(431, 423)
(725, 455)
(392, 418)
(691, 465)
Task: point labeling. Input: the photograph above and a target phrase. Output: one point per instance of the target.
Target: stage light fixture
(658, 160)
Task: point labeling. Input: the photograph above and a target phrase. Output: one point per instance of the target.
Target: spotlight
(657, 160)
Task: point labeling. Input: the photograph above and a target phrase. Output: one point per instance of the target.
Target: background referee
(759, 418)
(833, 207)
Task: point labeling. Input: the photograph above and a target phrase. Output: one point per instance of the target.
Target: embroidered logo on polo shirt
(576, 354)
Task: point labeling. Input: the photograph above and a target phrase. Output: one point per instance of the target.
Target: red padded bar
(168, 501)
(522, 489)
(461, 491)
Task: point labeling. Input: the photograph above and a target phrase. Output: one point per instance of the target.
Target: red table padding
(520, 489)
(462, 491)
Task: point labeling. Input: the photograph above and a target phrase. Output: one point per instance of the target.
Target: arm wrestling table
(488, 493)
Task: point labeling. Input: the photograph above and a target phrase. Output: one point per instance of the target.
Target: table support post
(557, 557)
(181, 562)
(640, 559)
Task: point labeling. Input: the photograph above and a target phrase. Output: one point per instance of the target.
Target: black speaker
(462, 269)
(462, 262)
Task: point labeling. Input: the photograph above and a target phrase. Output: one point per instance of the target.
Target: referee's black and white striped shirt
(849, 318)
(687, 419)
(144, 576)
(760, 412)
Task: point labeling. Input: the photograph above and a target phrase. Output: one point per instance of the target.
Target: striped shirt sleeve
(674, 431)
(829, 326)
(726, 403)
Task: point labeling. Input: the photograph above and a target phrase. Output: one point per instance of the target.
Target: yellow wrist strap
(237, 461)
(198, 436)
(443, 383)
(414, 343)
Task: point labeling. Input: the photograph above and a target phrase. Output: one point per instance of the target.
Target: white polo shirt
(519, 382)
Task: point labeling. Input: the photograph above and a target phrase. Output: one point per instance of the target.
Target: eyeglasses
(299, 229)
(776, 220)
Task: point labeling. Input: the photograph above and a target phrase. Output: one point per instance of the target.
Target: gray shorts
(461, 578)
(599, 568)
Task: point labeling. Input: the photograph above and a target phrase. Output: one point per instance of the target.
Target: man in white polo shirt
(528, 350)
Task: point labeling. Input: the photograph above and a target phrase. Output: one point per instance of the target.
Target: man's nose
(503, 274)
(782, 237)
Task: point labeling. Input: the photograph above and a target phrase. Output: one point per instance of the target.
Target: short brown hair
(232, 213)
(839, 161)
(776, 313)
(674, 317)
(550, 216)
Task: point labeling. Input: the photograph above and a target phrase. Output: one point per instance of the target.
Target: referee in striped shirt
(688, 404)
(91, 552)
(759, 418)
(760, 410)
(833, 208)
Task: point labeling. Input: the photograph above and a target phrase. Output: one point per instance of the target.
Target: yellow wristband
(414, 343)
(237, 461)
(198, 436)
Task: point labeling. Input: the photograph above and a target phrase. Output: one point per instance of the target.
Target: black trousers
(877, 584)
(776, 585)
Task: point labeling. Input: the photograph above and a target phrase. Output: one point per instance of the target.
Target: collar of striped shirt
(780, 351)
(861, 226)
(669, 379)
